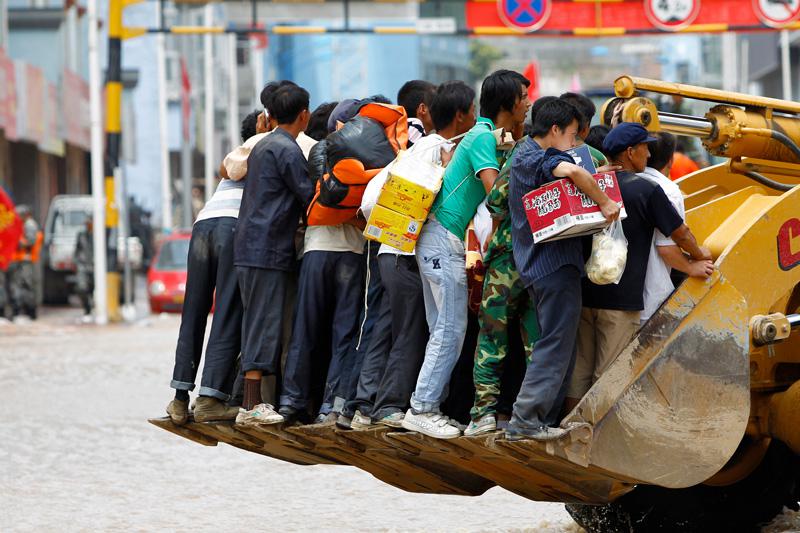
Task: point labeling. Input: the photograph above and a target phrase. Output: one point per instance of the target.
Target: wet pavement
(77, 453)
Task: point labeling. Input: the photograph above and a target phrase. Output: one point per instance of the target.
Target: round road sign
(524, 15)
(671, 15)
(777, 13)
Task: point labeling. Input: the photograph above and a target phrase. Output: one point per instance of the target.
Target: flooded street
(78, 455)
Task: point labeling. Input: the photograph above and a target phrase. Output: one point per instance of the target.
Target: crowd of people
(314, 324)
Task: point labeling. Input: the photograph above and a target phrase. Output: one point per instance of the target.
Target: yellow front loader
(696, 425)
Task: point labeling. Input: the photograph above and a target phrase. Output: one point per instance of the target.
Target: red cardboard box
(560, 209)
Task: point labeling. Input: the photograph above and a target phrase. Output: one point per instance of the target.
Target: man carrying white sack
(610, 313)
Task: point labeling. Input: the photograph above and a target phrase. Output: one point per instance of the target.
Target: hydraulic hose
(765, 181)
(778, 136)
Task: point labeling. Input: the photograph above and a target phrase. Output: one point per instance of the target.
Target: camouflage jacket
(497, 202)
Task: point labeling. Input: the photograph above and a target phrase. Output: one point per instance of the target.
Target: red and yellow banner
(618, 17)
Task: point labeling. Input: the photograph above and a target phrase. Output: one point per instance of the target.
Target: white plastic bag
(609, 255)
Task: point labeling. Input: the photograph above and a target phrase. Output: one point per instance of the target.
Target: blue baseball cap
(624, 135)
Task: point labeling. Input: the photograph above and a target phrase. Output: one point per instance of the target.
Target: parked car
(166, 278)
(65, 219)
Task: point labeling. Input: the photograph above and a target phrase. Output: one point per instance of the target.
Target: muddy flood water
(77, 454)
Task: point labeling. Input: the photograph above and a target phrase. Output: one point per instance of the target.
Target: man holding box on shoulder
(551, 271)
(440, 248)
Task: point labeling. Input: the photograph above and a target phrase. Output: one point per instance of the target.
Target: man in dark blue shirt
(276, 195)
(551, 271)
(610, 315)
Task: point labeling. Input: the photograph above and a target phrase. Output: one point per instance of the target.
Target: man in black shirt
(610, 314)
(276, 194)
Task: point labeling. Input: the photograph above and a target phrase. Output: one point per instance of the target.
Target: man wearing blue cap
(610, 314)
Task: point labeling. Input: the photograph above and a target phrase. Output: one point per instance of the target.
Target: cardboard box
(393, 228)
(559, 209)
(406, 197)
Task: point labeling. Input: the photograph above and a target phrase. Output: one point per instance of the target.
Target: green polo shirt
(462, 190)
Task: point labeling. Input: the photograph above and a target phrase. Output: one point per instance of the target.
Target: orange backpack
(355, 154)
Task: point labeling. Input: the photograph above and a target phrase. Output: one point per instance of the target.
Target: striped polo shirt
(225, 202)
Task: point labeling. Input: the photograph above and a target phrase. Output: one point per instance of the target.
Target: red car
(166, 279)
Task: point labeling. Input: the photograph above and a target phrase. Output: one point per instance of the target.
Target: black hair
(287, 103)
(662, 150)
(269, 90)
(451, 97)
(249, 124)
(318, 123)
(501, 90)
(537, 105)
(584, 105)
(376, 99)
(556, 112)
(413, 93)
(597, 135)
(683, 145)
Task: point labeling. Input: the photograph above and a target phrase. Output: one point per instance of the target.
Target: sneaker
(261, 414)
(485, 424)
(329, 418)
(343, 422)
(208, 409)
(541, 433)
(361, 421)
(433, 425)
(394, 420)
(178, 412)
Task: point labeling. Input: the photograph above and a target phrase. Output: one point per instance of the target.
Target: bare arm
(684, 238)
(586, 183)
(487, 176)
(674, 257)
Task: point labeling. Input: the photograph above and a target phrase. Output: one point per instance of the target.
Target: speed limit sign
(671, 15)
(777, 13)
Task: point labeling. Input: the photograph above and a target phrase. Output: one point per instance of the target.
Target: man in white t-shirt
(388, 375)
(664, 253)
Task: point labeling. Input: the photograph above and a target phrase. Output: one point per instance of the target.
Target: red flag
(10, 229)
(532, 75)
(186, 91)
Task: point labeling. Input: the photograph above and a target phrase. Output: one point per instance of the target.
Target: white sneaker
(434, 425)
(261, 414)
(360, 421)
(485, 424)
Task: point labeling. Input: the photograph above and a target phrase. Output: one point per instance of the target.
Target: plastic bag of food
(609, 255)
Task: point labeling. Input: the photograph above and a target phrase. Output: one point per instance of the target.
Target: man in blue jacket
(276, 195)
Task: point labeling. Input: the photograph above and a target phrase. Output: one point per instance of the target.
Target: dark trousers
(374, 334)
(329, 294)
(388, 377)
(263, 295)
(210, 267)
(558, 307)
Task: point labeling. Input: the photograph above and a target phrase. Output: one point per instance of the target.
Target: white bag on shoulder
(609, 255)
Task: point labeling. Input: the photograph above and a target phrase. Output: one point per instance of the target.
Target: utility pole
(166, 178)
(208, 53)
(233, 104)
(186, 146)
(786, 66)
(96, 117)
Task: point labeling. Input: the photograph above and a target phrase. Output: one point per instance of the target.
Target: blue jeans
(442, 267)
(209, 268)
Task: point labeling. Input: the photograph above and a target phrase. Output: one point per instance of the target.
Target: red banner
(75, 97)
(8, 97)
(587, 18)
(10, 229)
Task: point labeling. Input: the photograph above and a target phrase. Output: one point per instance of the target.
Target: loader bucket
(673, 407)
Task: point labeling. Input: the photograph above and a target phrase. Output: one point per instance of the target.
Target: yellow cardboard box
(395, 229)
(414, 201)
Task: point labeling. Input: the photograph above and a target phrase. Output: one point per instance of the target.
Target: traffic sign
(777, 13)
(672, 15)
(525, 16)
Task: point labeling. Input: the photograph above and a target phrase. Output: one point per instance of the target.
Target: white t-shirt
(657, 283)
(341, 238)
(427, 148)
